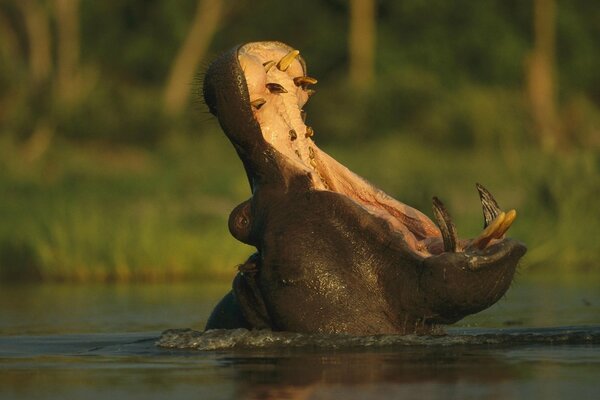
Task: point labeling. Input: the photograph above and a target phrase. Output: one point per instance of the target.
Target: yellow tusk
(286, 61)
(304, 81)
(489, 232)
(508, 220)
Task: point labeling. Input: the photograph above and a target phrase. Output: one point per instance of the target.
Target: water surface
(64, 341)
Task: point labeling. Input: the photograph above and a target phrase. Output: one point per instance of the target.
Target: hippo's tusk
(286, 61)
(508, 220)
(490, 207)
(445, 224)
(489, 233)
(304, 81)
(495, 222)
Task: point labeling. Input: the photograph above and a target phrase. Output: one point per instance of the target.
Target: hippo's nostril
(287, 60)
(309, 132)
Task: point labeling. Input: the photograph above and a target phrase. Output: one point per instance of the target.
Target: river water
(99, 341)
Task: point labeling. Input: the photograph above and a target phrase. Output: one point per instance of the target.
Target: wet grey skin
(329, 261)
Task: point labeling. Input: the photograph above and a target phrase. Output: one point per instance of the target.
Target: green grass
(91, 213)
(94, 214)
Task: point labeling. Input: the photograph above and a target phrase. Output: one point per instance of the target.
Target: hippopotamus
(334, 254)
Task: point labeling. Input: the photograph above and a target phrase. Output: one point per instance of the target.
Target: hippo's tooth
(309, 132)
(490, 207)
(303, 115)
(490, 232)
(286, 60)
(445, 224)
(276, 88)
(508, 220)
(304, 81)
(268, 65)
(258, 103)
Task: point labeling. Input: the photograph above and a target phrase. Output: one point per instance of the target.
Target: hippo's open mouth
(258, 91)
(277, 88)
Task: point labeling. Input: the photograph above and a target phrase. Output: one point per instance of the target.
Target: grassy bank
(90, 213)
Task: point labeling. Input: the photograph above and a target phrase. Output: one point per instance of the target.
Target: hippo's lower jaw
(335, 254)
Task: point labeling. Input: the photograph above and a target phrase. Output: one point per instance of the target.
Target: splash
(222, 339)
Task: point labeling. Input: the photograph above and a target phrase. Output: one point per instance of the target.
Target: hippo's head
(334, 253)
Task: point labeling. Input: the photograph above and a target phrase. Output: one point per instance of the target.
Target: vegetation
(110, 170)
(95, 213)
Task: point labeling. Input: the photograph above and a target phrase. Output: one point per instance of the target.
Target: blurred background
(111, 169)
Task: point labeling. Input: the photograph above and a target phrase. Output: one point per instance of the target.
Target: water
(239, 339)
(62, 341)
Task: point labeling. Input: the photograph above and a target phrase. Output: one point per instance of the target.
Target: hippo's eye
(243, 221)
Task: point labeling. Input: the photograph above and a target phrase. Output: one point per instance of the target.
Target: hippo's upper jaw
(336, 254)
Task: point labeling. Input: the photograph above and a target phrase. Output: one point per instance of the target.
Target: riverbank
(94, 213)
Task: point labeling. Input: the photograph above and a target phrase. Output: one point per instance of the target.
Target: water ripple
(260, 339)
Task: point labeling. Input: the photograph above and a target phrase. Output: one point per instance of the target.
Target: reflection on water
(99, 341)
(56, 308)
(131, 366)
(420, 373)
